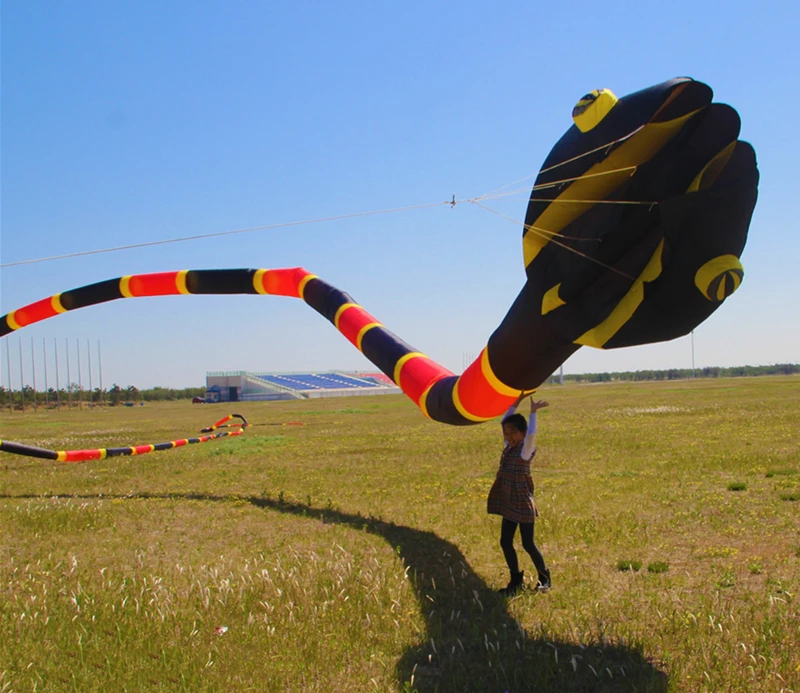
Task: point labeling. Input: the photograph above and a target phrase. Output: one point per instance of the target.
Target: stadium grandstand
(243, 386)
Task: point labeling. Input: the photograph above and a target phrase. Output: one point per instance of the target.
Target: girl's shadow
(472, 642)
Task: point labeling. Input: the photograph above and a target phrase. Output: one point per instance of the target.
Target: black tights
(507, 532)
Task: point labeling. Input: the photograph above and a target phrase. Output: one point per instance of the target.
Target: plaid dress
(511, 495)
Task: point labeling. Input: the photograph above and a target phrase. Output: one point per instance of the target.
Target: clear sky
(134, 122)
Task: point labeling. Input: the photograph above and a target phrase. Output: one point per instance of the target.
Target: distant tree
(115, 395)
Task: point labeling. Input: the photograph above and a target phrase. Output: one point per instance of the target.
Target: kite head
(638, 216)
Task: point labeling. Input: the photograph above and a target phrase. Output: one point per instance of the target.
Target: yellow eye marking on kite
(720, 277)
(551, 300)
(592, 108)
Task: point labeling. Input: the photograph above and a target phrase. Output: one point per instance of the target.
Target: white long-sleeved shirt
(528, 444)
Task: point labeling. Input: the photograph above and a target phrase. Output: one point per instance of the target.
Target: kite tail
(13, 448)
(477, 395)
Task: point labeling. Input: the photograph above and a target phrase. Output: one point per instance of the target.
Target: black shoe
(514, 585)
(544, 583)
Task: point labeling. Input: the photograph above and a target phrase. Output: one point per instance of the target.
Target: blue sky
(135, 122)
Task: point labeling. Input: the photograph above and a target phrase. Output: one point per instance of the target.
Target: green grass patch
(790, 496)
(726, 579)
(781, 472)
(657, 567)
(633, 565)
(737, 486)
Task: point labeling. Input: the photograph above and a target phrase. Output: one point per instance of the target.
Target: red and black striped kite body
(632, 235)
(104, 453)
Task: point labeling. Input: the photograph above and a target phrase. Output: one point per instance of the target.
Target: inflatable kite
(632, 235)
(104, 453)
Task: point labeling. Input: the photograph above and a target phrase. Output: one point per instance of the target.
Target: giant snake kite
(632, 235)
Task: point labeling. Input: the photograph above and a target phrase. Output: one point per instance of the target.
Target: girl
(511, 495)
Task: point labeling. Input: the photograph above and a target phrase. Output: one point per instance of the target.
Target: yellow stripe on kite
(125, 286)
(423, 406)
(301, 287)
(364, 331)
(180, 281)
(497, 384)
(55, 302)
(462, 410)
(398, 367)
(599, 335)
(13, 324)
(258, 281)
(341, 310)
(598, 182)
(712, 169)
(61, 455)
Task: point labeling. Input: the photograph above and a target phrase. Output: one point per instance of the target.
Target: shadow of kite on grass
(471, 642)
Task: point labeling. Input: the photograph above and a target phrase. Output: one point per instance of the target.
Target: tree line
(681, 373)
(75, 396)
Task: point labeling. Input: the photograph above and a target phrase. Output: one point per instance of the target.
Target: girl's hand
(519, 399)
(538, 404)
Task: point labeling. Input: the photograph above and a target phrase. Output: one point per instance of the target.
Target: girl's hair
(517, 421)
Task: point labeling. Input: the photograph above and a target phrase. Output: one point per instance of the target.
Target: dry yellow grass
(354, 553)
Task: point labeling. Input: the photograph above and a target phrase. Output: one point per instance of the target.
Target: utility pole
(21, 378)
(44, 355)
(80, 379)
(8, 368)
(58, 387)
(69, 379)
(100, 368)
(89, 357)
(33, 370)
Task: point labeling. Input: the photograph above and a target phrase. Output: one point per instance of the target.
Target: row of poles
(57, 393)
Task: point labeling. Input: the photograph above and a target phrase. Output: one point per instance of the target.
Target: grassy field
(354, 553)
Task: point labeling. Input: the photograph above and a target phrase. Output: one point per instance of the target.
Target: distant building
(243, 386)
